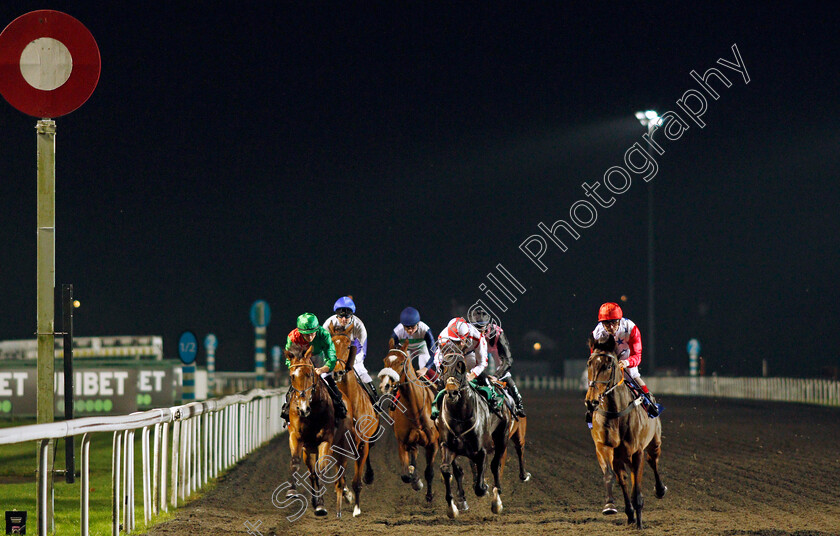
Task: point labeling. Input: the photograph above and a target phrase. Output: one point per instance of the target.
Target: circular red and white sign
(49, 63)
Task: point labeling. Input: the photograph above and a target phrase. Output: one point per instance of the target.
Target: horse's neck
(415, 393)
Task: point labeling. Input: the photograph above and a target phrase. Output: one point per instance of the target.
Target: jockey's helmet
(480, 318)
(609, 311)
(410, 316)
(307, 323)
(345, 302)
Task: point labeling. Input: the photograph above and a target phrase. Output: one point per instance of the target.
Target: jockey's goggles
(344, 313)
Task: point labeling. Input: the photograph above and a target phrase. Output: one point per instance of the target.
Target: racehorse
(413, 426)
(312, 427)
(468, 428)
(365, 420)
(621, 430)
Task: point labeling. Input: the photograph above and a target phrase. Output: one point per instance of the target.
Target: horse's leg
(364, 459)
(368, 471)
(519, 444)
(620, 470)
(314, 481)
(605, 460)
(459, 480)
(405, 462)
(447, 459)
(652, 452)
(479, 486)
(416, 483)
(638, 499)
(497, 466)
(296, 449)
(429, 474)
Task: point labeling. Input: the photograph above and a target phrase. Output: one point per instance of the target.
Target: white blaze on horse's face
(303, 403)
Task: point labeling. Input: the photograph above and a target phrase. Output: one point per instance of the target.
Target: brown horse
(312, 429)
(621, 430)
(412, 425)
(365, 421)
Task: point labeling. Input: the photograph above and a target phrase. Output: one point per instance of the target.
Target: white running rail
(207, 438)
(816, 391)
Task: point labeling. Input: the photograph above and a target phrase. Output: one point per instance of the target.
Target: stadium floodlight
(649, 119)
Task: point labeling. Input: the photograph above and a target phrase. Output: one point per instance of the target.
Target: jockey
(310, 333)
(628, 349)
(462, 336)
(499, 349)
(345, 321)
(421, 340)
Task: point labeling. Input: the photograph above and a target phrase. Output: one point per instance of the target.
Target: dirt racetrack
(731, 467)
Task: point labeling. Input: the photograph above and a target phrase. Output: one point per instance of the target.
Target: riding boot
(335, 394)
(517, 398)
(284, 411)
(371, 391)
(653, 409)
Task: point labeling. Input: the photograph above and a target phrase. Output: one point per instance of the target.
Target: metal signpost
(187, 351)
(260, 317)
(275, 364)
(210, 343)
(49, 66)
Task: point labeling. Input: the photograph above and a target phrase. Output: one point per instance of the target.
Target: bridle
(302, 392)
(612, 384)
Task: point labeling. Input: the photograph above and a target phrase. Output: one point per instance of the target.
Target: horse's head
(602, 370)
(393, 372)
(345, 354)
(303, 383)
(454, 372)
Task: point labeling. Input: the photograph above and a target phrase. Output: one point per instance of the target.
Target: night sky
(399, 151)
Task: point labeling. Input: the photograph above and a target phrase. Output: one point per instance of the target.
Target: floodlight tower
(651, 120)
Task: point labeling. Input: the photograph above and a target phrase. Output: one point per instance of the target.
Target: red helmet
(609, 311)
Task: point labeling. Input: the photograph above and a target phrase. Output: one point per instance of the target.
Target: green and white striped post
(210, 343)
(187, 351)
(260, 316)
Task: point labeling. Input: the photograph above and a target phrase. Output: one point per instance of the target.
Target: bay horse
(365, 429)
(468, 428)
(312, 427)
(413, 425)
(621, 430)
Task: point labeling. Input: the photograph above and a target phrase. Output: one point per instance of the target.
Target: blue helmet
(409, 316)
(345, 302)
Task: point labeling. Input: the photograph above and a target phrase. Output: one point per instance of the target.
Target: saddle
(493, 397)
(501, 389)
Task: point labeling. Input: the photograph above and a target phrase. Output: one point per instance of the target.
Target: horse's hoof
(452, 511)
(417, 485)
(369, 477)
(609, 509)
(526, 477)
(320, 511)
(463, 505)
(661, 492)
(348, 496)
(357, 511)
(496, 506)
(292, 493)
(429, 497)
(481, 490)
(406, 478)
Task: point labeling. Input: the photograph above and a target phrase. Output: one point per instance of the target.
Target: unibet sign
(97, 391)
